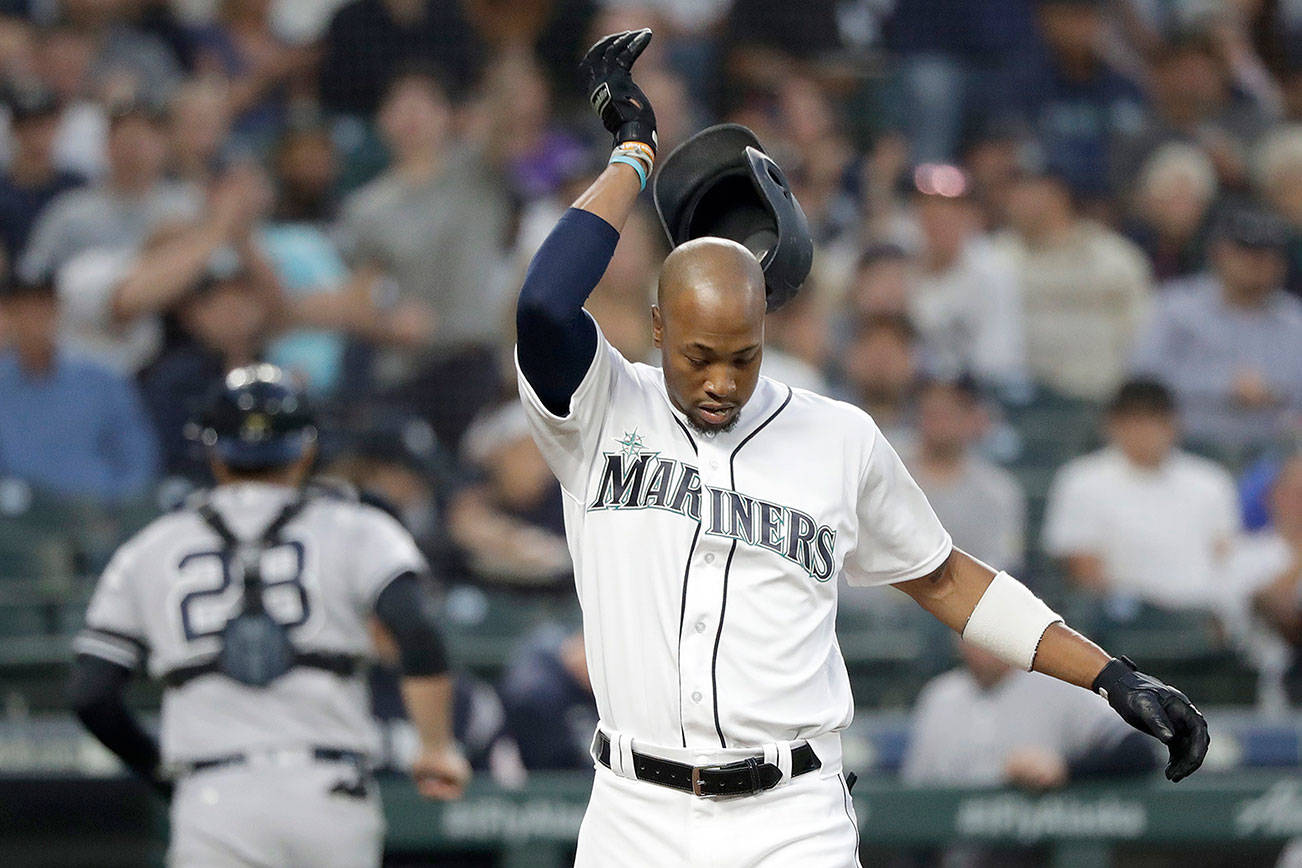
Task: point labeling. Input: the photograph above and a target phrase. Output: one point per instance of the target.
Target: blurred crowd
(1022, 208)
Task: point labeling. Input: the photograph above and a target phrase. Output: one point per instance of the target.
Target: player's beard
(710, 432)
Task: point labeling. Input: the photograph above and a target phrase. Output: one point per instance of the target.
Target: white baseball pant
(808, 821)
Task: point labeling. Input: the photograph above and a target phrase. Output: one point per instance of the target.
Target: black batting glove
(621, 105)
(1158, 710)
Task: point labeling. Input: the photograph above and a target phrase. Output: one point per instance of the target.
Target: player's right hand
(441, 772)
(1156, 709)
(607, 76)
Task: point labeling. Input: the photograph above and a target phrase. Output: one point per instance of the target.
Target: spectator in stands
(1226, 342)
(1278, 174)
(241, 49)
(980, 503)
(766, 41)
(537, 154)
(126, 58)
(1086, 289)
(298, 242)
(883, 282)
(1172, 209)
(1198, 102)
(437, 223)
(1141, 519)
(1078, 104)
(113, 299)
(1019, 728)
(994, 157)
(880, 370)
(510, 525)
(62, 60)
(225, 318)
(70, 426)
(369, 41)
(199, 129)
(966, 300)
(17, 38)
(32, 178)
(958, 64)
(121, 210)
(548, 699)
(1266, 569)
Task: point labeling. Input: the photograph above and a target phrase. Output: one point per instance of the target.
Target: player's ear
(657, 326)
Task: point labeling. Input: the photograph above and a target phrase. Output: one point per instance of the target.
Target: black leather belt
(320, 754)
(740, 778)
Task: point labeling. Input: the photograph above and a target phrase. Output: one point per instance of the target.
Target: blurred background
(1059, 259)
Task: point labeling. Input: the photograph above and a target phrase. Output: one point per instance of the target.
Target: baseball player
(710, 513)
(253, 606)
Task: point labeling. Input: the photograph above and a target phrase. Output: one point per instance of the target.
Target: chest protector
(256, 649)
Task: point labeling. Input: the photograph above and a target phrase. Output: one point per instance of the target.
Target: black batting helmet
(257, 419)
(721, 183)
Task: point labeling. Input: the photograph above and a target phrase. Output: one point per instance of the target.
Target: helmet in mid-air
(257, 419)
(721, 183)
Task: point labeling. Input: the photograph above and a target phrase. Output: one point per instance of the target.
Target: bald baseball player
(711, 513)
(253, 605)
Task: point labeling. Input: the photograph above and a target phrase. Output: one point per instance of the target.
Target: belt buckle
(749, 764)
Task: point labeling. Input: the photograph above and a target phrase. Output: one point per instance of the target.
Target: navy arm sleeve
(556, 340)
(96, 694)
(407, 610)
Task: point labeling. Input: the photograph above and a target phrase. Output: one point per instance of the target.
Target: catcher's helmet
(257, 419)
(721, 183)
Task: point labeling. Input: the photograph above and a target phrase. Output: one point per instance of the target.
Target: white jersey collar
(768, 396)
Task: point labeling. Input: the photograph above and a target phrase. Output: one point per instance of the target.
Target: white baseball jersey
(707, 566)
(165, 598)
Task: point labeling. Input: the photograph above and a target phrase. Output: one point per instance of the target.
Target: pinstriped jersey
(166, 595)
(707, 565)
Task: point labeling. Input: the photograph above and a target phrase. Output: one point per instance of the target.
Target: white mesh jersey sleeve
(569, 443)
(382, 550)
(115, 627)
(900, 537)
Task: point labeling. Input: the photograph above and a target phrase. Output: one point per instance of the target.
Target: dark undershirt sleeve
(96, 694)
(555, 339)
(1132, 755)
(407, 609)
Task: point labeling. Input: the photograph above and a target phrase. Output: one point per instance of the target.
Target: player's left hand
(1158, 710)
(441, 772)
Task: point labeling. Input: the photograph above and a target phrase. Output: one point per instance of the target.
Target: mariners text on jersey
(646, 480)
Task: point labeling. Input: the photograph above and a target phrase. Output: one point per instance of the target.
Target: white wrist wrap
(1008, 621)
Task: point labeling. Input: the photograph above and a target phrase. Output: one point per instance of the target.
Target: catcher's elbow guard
(1009, 621)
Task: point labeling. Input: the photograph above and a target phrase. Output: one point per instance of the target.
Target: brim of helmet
(275, 452)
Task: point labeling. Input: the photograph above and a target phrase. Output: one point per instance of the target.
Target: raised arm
(998, 613)
(555, 339)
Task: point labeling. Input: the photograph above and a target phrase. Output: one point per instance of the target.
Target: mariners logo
(635, 478)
